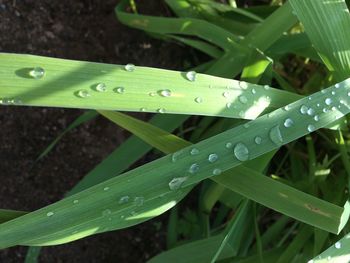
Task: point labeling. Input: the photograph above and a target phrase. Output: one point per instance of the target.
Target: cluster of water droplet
(309, 117)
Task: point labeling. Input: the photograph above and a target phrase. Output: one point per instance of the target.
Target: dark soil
(82, 30)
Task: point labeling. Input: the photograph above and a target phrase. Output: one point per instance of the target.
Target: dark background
(81, 30)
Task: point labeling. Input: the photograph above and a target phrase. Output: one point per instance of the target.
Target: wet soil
(83, 30)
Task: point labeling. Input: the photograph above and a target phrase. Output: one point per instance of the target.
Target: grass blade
(64, 79)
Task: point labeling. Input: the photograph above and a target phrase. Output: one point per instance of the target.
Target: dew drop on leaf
(191, 75)
(310, 112)
(328, 101)
(176, 183)
(83, 93)
(161, 110)
(37, 73)
(316, 118)
(311, 128)
(216, 171)
(198, 100)
(226, 94)
(275, 135)
(243, 84)
(337, 245)
(194, 168)
(288, 123)
(213, 157)
(129, 67)
(101, 87)
(139, 200)
(228, 145)
(241, 152)
(303, 109)
(243, 99)
(50, 214)
(119, 90)
(194, 151)
(257, 140)
(165, 93)
(123, 199)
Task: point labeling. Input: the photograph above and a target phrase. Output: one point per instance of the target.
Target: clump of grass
(249, 144)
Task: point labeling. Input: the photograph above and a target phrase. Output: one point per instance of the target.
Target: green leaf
(327, 24)
(140, 91)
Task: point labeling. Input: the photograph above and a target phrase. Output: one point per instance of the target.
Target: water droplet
(228, 145)
(241, 114)
(349, 94)
(287, 108)
(328, 101)
(216, 171)
(37, 73)
(106, 212)
(337, 86)
(241, 152)
(194, 168)
(310, 112)
(243, 84)
(139, 200)
(333, 92)
(213, 157)
(175, 156)
(318, 104)
(226, 94)
(152, 94)
(253, 91)
(303, 109)
(323, 91)
(176, 183)
(161, 110)
(311, 128)
(316, 118)
(124, 199)
(165, 93)
(198, 100)
(143, 109)
(75, 201)
(101, 87)
(325, 110)
(191, 75)
(194, 151)
(257, 139)
(243, 99)
(129, 67)
(83, 93)
(333, 108)
(106, 188)
(119, 90)
(275, 135)
(288, 123)
(266, 87)
(228, 105)
(337, 245)
(310, 98)
(50, 214)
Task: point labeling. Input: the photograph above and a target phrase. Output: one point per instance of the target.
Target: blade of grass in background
(327, 24)
(85, 117)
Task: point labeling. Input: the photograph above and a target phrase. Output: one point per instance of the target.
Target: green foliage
(253, 167)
